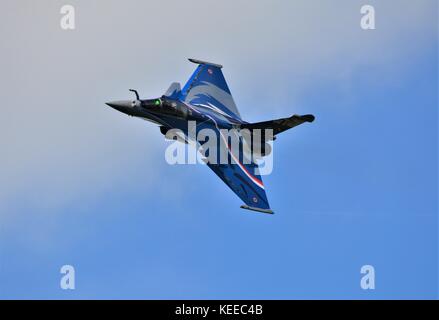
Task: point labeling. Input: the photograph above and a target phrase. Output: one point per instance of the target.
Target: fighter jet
(207, 100)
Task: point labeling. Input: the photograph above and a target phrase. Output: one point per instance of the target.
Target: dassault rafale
(207, 100)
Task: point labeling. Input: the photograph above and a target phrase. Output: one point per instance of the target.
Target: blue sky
(86, 186)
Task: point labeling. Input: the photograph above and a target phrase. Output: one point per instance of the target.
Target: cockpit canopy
(151, 103)
(165, 106)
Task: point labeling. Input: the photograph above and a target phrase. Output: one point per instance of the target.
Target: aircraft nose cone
(119, 104)
(110, 104)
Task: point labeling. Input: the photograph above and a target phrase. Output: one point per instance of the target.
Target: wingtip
(197, 61)
(308, 117)
(268, 211)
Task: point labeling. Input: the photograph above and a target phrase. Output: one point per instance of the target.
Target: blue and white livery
(206, 100)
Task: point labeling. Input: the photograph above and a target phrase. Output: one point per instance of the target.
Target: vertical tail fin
(174, 90)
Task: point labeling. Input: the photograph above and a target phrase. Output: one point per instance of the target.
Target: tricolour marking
(248, 174)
